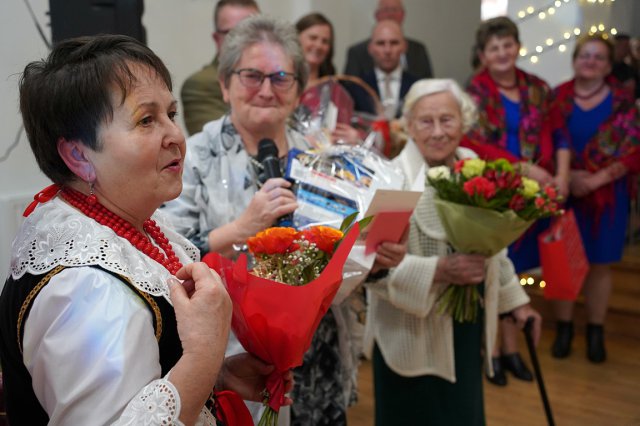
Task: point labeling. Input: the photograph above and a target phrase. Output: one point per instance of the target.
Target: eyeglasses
(585, 56)
(428, 124)
(253, 78)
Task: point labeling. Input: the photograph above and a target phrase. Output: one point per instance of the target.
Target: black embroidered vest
(23, 408)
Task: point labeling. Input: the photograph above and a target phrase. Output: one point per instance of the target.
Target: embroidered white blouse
(89, 341)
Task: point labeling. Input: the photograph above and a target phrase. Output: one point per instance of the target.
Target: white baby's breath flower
(439, 172)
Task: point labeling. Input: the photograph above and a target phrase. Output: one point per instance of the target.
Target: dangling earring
(91, 199)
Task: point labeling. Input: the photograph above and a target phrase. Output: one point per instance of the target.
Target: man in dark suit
(386, 77)
(201, 94)
(415, 60)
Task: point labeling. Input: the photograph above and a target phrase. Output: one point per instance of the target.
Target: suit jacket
(362, 100)
(417, 61)
(202, 98)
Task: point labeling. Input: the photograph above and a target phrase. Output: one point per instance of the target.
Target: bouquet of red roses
(483, 207)
(278, 305)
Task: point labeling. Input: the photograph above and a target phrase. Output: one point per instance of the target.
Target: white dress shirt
(390, 99)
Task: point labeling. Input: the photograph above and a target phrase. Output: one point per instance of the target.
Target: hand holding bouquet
(278, 305)
(484, 207)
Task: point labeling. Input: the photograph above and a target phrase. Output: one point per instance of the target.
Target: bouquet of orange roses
(484, 206)
(293, 257)
(278, 305)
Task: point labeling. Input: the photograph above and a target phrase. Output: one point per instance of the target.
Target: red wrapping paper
(274, 321)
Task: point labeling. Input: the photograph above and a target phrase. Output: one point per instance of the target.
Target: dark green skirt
(431, 400)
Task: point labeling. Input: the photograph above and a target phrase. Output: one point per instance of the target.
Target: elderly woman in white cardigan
(428, 367)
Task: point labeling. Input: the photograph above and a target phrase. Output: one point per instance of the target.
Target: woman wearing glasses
(426, 366)
(262, 73)
(605, 136)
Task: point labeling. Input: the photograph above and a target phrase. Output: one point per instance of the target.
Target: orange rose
(277, 240)
(324, 237)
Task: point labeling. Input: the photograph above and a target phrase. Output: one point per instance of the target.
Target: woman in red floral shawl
(605, 134)
(517, 121)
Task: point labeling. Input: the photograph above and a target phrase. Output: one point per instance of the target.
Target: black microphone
(268, 157)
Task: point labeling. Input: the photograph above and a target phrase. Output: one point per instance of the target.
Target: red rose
(516, 182)
(503, 181)
(551, 207)
(481, 186)
(539, 202)
(517, 203)
(551, 192)
(457, 167)
(490, 174)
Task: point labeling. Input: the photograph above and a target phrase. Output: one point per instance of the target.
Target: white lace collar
(56, 234)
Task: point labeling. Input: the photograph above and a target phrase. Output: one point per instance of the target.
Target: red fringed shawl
(538, 120)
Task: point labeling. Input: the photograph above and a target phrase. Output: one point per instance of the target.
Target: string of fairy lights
(530, 280)
(560, 42)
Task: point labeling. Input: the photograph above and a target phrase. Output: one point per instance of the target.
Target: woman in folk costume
(517, 121)
(605, 135)
(95, 327)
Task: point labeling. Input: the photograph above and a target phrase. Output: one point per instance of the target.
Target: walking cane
(538, 372)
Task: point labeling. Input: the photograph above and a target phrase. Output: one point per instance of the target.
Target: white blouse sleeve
(90, 347)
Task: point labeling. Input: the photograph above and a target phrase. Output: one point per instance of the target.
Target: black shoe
(499, 378)
(595, 343)
(564, 334)
(514, 363)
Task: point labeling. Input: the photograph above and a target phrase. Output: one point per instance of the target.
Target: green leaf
(364, 222)
(348, 221)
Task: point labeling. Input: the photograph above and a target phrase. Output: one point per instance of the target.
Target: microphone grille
(267, 148)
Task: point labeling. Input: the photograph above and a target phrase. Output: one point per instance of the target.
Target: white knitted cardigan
(413, 338)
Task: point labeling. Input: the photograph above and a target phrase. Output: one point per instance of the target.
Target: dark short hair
(70, 93)
(594, 37)
(310, 20)
(249, 4)
(499, 27)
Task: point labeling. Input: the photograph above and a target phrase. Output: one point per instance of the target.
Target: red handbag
(563, 259)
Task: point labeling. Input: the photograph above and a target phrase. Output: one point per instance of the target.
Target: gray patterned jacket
(218, 181)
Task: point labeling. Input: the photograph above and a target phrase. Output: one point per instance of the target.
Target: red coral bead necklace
(90, 206)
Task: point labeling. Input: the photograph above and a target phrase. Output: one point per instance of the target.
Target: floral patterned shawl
(538, 120)
(618, 138)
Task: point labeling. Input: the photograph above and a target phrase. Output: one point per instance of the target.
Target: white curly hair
(430, 86)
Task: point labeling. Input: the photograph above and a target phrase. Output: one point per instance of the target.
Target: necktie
(388, 101)
(387, 87)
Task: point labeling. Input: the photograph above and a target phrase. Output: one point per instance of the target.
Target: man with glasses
(415, 60)
(201, 95)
